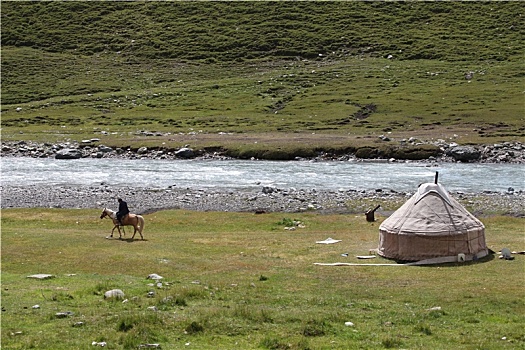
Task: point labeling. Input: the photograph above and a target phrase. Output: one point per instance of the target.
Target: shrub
(194, 328)
(274, 344)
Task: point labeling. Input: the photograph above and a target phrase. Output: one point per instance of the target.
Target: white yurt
(434, 227)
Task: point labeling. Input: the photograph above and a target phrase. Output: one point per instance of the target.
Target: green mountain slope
(244, 30)
(359, 69)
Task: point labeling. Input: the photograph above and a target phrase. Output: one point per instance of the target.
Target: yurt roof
(430, 211)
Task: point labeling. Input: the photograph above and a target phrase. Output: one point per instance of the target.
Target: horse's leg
(114, 227)
(140, 231)
(134, 229)
(140, 222)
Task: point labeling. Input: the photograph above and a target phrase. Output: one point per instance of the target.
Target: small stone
(41, 276)
(435, 308)
(154, 276)
(102, 343)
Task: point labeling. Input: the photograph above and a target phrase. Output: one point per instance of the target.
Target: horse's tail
(141, 223)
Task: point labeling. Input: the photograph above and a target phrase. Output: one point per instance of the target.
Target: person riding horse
(122, 210)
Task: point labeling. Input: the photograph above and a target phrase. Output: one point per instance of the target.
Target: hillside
(246, 30)
(354, 68)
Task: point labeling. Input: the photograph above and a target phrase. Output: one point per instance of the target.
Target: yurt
(432, 227)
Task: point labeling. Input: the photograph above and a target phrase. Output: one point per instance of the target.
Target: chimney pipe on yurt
(432, 227)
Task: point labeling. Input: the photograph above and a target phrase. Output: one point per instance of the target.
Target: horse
(137, 221)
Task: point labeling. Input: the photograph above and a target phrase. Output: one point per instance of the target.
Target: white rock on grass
(102, 343)
(41, 276)
(114, 293)
(154, 276)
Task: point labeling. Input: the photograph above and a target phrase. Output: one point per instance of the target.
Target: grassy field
(253, 77)
(299, 76)
(239, 280)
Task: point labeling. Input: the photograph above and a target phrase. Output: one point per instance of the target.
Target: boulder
(268, 190)
(68, 153)
(464, 153)
(114, 293)
(185, 153)
(105, 149)
(154, 276)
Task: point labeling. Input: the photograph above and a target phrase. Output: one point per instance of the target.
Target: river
(247, 174)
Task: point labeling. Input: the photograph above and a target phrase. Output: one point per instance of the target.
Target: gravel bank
(144, 201)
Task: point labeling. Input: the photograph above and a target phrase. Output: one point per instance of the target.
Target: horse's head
(104, 213)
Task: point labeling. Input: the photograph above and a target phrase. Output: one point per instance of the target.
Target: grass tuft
(272, 343)
(194, 328)
(391, 343)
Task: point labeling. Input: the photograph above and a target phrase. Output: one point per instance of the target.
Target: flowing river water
(247, 174)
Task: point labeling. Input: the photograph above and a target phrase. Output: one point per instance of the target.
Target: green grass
(239, 280)
(255, 76)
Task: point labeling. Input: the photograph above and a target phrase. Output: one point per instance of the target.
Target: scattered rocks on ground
(291, 200)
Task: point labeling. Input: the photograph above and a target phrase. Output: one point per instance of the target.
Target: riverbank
(410, 149)
(262, 200)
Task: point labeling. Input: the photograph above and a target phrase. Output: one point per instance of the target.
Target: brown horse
(137, 221)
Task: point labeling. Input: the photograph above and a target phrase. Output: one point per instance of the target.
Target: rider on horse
(122, 210)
